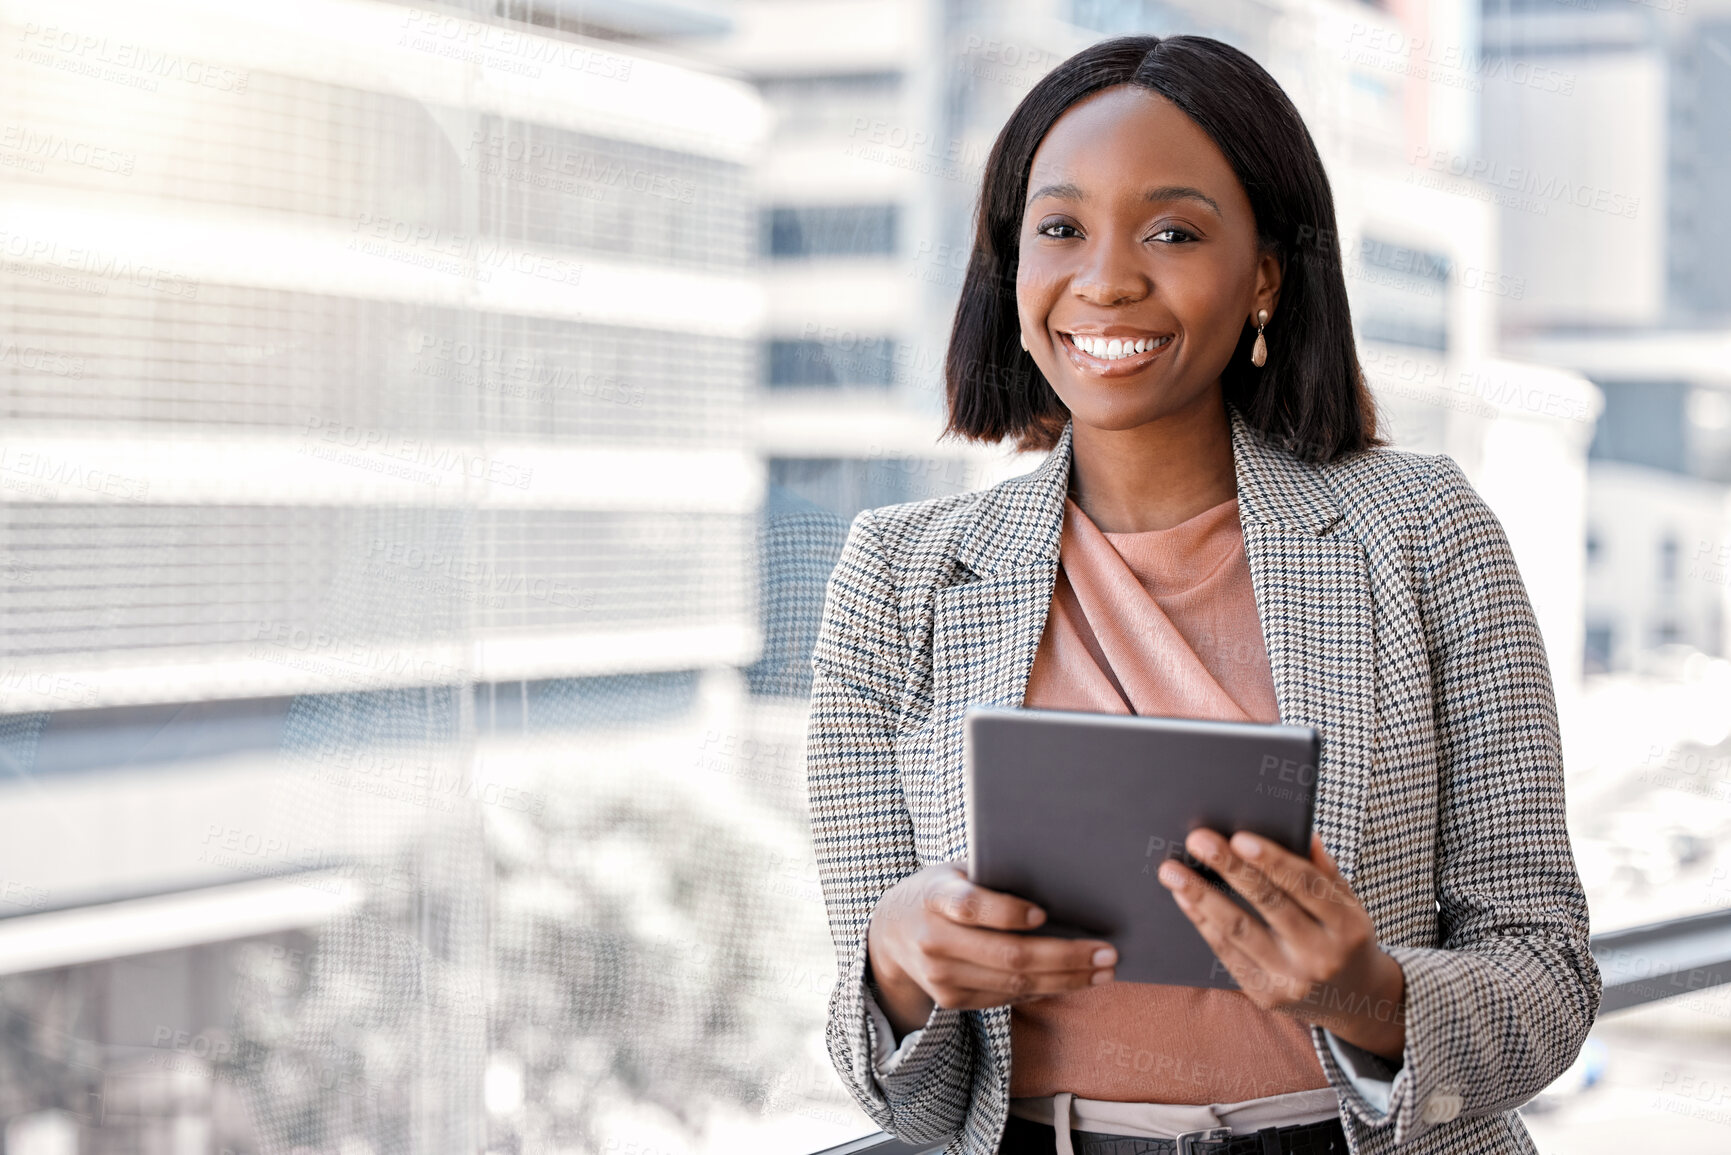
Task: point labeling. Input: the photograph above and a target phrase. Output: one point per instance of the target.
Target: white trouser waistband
(1065, 1111)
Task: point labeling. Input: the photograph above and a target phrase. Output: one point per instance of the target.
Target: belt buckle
(1187, 1140)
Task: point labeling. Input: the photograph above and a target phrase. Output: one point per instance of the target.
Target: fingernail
(1035, 914)
(1100, 977)
(1105, 956)
(1246, 845)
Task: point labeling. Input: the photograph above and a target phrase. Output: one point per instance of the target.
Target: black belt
(1025, 1137)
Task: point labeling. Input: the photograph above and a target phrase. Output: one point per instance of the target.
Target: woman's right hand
(937, 939)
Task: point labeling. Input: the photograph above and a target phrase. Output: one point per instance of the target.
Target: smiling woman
(1155, 295)
(1196, 178)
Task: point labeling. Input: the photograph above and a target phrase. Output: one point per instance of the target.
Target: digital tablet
(1076, 811)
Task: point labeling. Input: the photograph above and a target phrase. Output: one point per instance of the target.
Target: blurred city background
(429, 430)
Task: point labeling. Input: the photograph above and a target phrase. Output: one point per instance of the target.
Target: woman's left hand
(1317, 958)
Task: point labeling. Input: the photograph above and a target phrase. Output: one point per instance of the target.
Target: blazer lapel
(1313, 597)
(986, 626)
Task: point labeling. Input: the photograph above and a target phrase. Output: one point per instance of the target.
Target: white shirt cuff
(888, 1056)
(1370, 1074)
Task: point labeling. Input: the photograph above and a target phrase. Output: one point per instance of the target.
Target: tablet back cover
(1076, 811)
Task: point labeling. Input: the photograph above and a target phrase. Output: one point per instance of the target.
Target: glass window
(816, 107)
(847, 360)
(1403, 290)
(830, 230)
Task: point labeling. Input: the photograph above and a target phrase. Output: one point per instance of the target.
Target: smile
(1113, 356)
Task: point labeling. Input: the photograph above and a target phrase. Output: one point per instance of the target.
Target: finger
(1005, 965)
(1009, 985)
(970, 904)
(1251, 976)
(1323, 895)
(1330, 888)
(1222, 922)
(1268, 986)
(1255, 882)
(1004, 952)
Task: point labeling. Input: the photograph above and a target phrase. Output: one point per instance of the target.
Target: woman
(1155, 294)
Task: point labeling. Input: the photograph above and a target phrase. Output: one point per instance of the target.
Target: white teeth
(1115, 348)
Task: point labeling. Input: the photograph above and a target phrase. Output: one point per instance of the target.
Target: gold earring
(1259, 351)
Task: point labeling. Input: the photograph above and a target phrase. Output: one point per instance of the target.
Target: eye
(1046, 229)
(1184, 235)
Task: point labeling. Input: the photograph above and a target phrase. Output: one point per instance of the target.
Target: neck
(1157, 474)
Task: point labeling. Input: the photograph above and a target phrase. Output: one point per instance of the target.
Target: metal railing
(1640, 965)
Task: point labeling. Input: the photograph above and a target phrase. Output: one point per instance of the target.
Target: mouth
(1114, 357)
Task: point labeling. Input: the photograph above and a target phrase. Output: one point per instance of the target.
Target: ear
(1268, 275)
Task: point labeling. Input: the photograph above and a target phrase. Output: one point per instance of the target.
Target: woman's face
(1136, 228)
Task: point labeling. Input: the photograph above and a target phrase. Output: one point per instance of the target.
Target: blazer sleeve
(1502, 1006)
(864, 840)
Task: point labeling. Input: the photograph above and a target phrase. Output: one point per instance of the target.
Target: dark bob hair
(1310, 396)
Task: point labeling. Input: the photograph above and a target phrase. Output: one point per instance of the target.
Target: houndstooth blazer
(1396, 623)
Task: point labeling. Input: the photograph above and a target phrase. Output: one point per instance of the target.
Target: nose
(1110, 275)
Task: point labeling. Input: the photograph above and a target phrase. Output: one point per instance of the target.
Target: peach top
(1158, 622)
